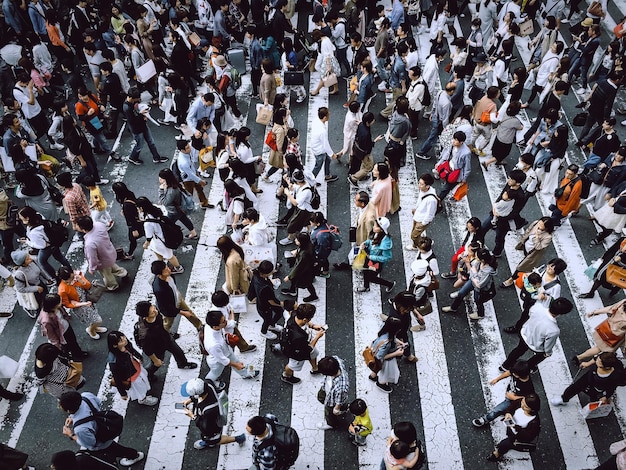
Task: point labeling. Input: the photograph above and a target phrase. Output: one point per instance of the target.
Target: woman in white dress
(326, 62)
(387, 348)
(155, 240)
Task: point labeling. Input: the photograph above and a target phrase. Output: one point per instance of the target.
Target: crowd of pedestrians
(70, 71)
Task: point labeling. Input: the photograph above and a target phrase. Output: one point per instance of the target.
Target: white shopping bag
(8, 367)
(596, 409)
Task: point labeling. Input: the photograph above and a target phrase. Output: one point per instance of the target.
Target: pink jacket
(381, 196)
(52, 328)
(99, 250)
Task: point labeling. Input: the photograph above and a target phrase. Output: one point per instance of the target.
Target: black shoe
(288, 292)
(114, 156)
(391, 287)
(449, 275)
(135, 161)
(511, 330)
(588, 295)
(189, 365)
(310, 298)
(492, 458)
(280, 223)
(342, 266)
(503, 368)
(13, 396)
(175, 336)
(160, 160)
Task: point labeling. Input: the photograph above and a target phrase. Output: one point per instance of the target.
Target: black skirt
(500, 150)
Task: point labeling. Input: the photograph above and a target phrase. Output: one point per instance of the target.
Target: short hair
(368, 117)
(322, 112)
(517, 175)
(70, 401)
(292, 132)
(89, 181)
(328, 365)
(106, 66)
(257, 425)
(7, 119)
(354, 106)
(402, 105)
(428, 179)
(573, 167)
(552, 114)
(514, 108)
(493, 92)
(220, 298)
(460, 136)
(214, 317)
(609, 359)
(89, 46)
(85, 223)
(157, 267)
(383, 170)
(534, 278)
(417, 71)
(289, 304)
(358, 407)
(356, 37)
(521, 368)
(47, 353)
(108, 54)
(611, 121)
(65, 179)
(209, 97)
(63, 460)
(265, 267)
(404, 299)
(561, 85)
(527, 158)
(318, 218)
(251, 214)
(402, 48)
(363, 197)
(251, 30)
(305, 311)
(142, 308)
(425, 243)
(406, 432)
(561, 306)
(134, 93)
(399, 449)
(64, 272)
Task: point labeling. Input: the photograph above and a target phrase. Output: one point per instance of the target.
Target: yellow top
(96, 200)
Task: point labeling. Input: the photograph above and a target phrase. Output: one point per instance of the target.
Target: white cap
(419, 267)
(383, 222)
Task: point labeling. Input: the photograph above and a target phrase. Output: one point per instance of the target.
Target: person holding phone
(301, 342)
(523, 426)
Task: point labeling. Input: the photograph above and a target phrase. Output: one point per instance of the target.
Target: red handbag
(447, 174)
(604, 331)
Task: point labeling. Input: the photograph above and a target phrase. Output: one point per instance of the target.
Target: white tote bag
(145, 72)
(8, 367)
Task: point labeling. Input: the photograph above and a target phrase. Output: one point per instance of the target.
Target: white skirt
(390, 373)
(606, 217)
(140, 386)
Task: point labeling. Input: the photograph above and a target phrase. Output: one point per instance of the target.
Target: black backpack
(316, 200)
(426, 99)
(140, 331)
(172, 233)
(56, 232)
(286, 440)
(109, 423)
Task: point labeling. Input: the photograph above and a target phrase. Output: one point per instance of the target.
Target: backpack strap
(97, 459)
(88, 418)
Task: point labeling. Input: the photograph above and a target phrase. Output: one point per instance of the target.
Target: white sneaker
(269, 335)
(94, 336)
(56, 146)
(128, 462)
(148, 401)
(557, 401)
(410, 247)
(624, 122)
(276, 328)
(324, 426)
(582, 91)
(286, 241)
(454, 295)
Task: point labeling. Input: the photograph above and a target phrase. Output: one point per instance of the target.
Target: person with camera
(300, 342)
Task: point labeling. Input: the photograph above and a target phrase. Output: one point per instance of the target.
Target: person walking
(424, 211)
(540, 333)
(30, 278)
(220, 352)
(169, 299)
(136, 117)
(170, 196)
(127, 199)
(378, 248)
(319, 145)
(129, 375)
(439, 119)
(54, 373)
(387, 348)
(80, 427)
(75, 202)
(300, 344)
(303, 272)
(55, 325)
(155, 340)
(336, 387)
(73, 288)
(100, 252)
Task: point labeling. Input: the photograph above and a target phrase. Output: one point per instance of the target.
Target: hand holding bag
(95, 293)
(595, 9)
(460, 191)
(263, 115)
(616, 276)
(359, 261)
(27, 300)
(526, 27)
(329, 80)
(74, 374)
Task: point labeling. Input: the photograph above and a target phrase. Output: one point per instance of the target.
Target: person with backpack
(303, 271)
(300, 195)
(325, 238)
(228, 80)
(208, 413)
(38, 238)
(152, 337)
(55, 325)
(170, 196)
(100, 252)
(298, 342)
(88, 428)
(275, 446)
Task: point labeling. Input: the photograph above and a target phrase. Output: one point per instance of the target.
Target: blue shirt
(398, 73)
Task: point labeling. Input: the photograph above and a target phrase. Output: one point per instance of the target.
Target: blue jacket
(380, 253)
(38, 21)
(256, 54)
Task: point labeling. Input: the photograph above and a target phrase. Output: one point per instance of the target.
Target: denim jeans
(146, 136)
(44, 255)
(100, 142)
(322, 159)
(342, 58)
(432, 137)
(463, 291)
(498, 410)
(382, 71)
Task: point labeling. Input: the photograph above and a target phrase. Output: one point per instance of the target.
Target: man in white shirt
(415, 95)
(424, 211)
(319, 145)
(25, 94)
(118, 68)
(299, 195)
(220, 354)
(540, 333)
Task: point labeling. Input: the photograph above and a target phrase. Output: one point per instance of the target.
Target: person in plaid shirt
(74, 200)
(336, 387)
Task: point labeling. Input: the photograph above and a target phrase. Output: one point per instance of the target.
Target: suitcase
(294, 78)
(237, 58)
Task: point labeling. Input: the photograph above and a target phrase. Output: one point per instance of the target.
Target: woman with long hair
(279, 131)
(170, 196)
(236, 271)
(326, 62)
(127, 199)
(381, 189)
(534, 242)
(303, 272)
(55, 325)
(129, 375)
(80, 148)
(33, 189)
(480, 282)
(37, 239)
(73, 288)
(245, 175)
(387, 348)
(378, 248)
(152, 216)
(235, 198)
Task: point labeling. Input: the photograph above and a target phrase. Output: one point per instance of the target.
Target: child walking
(361, 426)
(97, 203)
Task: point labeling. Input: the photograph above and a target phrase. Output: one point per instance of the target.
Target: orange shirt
(570, 201)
